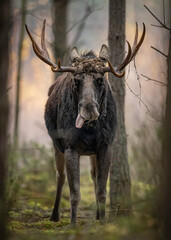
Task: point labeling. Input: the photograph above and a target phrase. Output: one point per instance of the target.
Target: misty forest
(85, 119)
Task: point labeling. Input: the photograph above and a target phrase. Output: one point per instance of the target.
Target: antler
(130, 55)
(44, 55)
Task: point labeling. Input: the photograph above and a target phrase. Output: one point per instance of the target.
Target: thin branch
(154, 80)
(6, 91)
(165, 74)
(86, 15)
(154, 25)
(162, 24)
(38, 18)
(164, 20)
(155, 114)
(79, 31)
(139, 95)
(9, 88)
(138, 78)
(159, 51)
(128, 73)
(136, 95)
(153, 15)
(88, 11)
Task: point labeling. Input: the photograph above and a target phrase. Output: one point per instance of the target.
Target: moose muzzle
(87, 112)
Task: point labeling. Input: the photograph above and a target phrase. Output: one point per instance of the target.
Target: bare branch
(38, 18)
(128, 72)
(162, 24)
(9, 88)
(137, 95)
(88, 11)
(149, 112)
(154, 80)
(159, 51)
(138, 77)
(154, 114)
(153, 15)
(164, 21)
(6, 91)
(165, 74)
(159, 26)
(79, 31)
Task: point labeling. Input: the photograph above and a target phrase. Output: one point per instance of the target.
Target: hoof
(54, 218)
(97, 215)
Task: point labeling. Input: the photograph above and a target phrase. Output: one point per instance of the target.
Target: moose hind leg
(94, 178)
(73, 175)
(59, 157)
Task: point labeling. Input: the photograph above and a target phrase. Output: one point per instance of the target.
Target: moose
(81, 118)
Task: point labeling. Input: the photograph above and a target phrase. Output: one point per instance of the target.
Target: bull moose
(80, 116)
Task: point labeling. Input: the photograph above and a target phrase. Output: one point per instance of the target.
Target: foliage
(145, 159)
(13, 176)
(34, 198)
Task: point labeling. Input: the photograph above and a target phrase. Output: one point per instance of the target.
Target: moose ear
(104, 52)
(74, 54)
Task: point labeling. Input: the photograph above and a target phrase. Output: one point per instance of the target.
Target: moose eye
(77, 82)
(100, 81)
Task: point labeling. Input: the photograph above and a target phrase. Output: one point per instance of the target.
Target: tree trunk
(120, 183)
(4, 61)
(166, 189)
(59, 10)
(19, 70)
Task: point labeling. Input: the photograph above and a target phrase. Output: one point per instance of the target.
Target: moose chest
(88, 141)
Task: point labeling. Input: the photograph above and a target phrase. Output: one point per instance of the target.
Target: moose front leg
(73, 175)
(103, 166)
(59, 157)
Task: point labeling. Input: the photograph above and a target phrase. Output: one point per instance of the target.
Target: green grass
(34, 197)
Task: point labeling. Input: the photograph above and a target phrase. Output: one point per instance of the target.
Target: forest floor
(31, 196)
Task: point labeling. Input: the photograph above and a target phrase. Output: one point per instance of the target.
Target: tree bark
(166, 189)
(120, 183)
(59, 11)
(4, 61)
(19, 70)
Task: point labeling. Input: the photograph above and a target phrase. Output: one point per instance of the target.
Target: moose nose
(89, 106)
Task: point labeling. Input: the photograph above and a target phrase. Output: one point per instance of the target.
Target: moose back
(80, 117)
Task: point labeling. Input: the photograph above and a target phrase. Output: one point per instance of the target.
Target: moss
(43, 225)
(29, 218)
(16, 226)
(14, 215)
